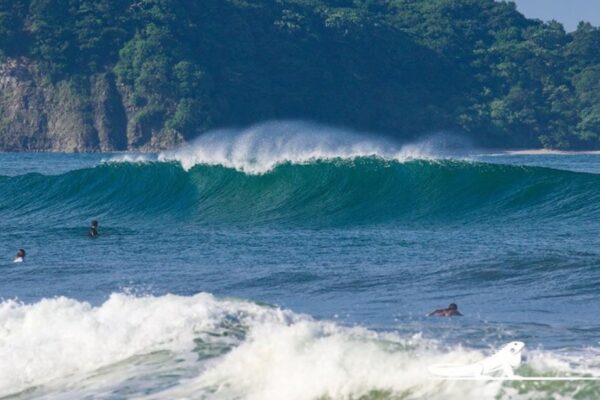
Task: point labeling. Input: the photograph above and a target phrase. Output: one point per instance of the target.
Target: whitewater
(290, 260)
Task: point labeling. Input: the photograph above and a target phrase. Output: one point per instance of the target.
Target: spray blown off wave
(297, 173)
(200, 346)
(261, 148)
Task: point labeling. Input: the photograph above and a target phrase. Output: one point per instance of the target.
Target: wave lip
(301, 174)
(364, 190)
(260, 148)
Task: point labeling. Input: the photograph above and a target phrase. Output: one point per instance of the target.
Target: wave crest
(260, 148)
(326, 193)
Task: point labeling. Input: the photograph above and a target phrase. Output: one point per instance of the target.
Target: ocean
(295, 261)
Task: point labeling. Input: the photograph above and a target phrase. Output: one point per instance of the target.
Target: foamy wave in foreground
(260, 148)
(202, 347)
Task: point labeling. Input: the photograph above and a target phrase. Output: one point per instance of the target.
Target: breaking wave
(363, 190)
(203, 347)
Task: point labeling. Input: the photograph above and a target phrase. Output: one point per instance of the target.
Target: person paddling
(94, 229)
(20, 257)
(451, 311)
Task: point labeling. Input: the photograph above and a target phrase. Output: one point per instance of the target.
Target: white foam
(260, 148)
(202, 347)
(308, 360)
(582, 361)
(56, 338)
(130, 158)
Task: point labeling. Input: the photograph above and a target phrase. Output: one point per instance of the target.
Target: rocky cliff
(84, 114)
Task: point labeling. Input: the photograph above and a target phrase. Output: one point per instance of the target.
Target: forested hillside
(149, 73)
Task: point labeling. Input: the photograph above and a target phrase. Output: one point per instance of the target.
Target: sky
(567, 12)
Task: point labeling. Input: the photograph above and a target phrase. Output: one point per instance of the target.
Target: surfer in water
(451, 311)
(20, 257)
(94, 229)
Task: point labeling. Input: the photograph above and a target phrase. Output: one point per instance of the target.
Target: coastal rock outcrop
(73, 115)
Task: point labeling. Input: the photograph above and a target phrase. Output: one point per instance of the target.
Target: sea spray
(260, 148)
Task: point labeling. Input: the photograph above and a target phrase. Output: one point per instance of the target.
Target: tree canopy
(399, 66)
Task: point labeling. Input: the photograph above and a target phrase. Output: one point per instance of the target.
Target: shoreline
(146, 151)
(536, 152)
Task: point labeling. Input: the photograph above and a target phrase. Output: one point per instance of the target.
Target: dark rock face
(89, 114)
(110, 118)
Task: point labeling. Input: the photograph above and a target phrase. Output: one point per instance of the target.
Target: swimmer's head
(452, 306)
(21, 253)
(94, 224)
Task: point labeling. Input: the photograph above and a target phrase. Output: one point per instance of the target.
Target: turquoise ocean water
(291, 261)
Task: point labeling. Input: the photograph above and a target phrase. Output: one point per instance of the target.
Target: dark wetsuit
(445, 312)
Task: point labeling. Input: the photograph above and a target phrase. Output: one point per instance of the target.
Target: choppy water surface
(290, 261)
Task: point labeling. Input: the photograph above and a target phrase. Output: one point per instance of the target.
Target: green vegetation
(399, 66)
